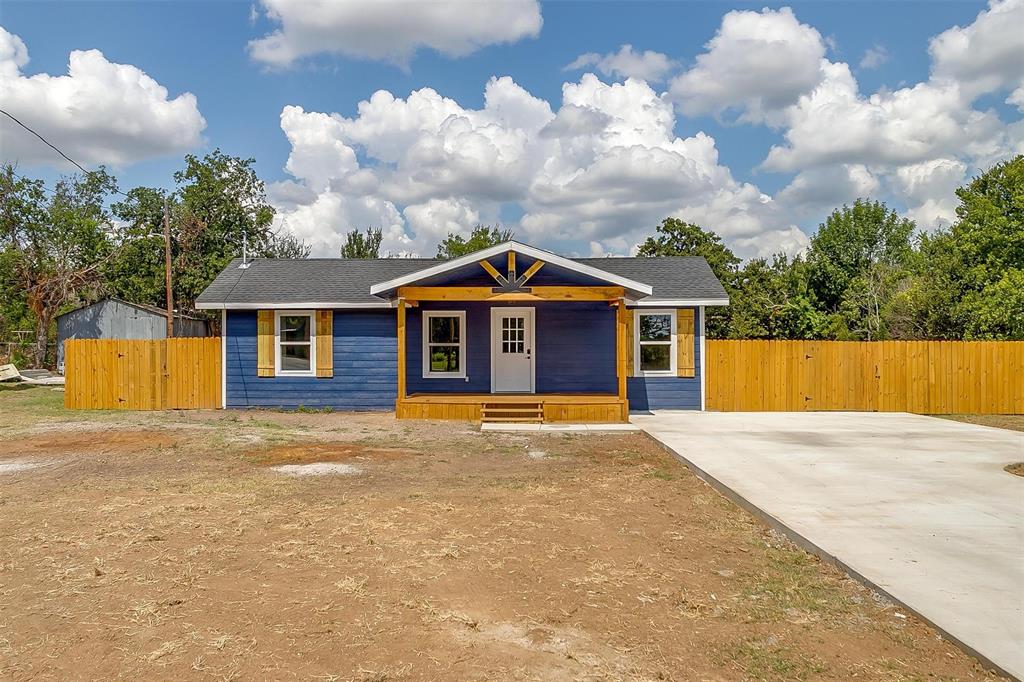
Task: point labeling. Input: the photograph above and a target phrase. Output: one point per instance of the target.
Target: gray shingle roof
(673, 277)
(348, 281)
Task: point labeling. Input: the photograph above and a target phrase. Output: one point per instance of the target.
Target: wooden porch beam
(401, 350)
(493, 272)
(560, 293)
(620, 354)
(511, 266)
(530, 272)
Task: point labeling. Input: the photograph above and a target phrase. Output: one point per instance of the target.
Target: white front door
(512, 350)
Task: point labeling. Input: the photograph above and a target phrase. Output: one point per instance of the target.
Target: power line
(45, 141)
(54, 147)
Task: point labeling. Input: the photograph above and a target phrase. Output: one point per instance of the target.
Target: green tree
(55, 244)
(136, 272)
(675, 237)
(964, 287)
(218, 201)
(287, 245)
(997, 311)
(678, 238)
(455, 245)
(772, 300)
(855, 261)
(359, 245)
(15, 315)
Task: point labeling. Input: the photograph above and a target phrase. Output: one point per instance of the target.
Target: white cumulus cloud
(836, 124)
(930, 190)
(390, 30)
(822, 189)
(874, 57)
(595, 172)
(907, 144)
(917, 143)
(757, 63)
(603, 169)
(99, 113)
(986, 55)
(627, 63)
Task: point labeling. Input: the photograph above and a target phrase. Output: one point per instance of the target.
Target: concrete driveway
(918, 507)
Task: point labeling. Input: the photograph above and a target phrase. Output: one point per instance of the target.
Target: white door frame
(530, 341)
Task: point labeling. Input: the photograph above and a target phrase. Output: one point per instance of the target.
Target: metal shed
(113, 318)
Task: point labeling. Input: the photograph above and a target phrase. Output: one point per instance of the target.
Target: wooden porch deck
(592, 408)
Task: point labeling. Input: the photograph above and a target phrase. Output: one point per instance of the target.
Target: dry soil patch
(109, 441)
(456, 555)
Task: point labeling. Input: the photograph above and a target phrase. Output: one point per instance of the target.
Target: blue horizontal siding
(668, 393)
(478, 357)
(575, 353)
(575, 348)
(365, 366)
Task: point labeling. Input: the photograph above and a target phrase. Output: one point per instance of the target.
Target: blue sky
(203, 49)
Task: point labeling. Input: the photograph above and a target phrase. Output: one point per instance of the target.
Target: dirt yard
(1013, 422)
(169, 545)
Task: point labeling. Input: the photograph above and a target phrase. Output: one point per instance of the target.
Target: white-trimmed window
(654, 351)
(295, 342)
(444, 344)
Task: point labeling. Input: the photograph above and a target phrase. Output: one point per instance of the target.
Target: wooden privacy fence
(927, 377)
(142, 374)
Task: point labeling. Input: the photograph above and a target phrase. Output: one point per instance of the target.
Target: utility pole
(167, 272)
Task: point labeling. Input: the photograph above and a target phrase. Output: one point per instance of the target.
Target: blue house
(509, 333)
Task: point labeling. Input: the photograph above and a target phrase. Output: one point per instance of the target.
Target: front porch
(481, 345)
(483, 407)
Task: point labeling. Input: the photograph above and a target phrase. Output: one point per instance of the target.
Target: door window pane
(513, 335)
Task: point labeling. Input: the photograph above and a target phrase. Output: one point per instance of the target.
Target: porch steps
(512, 412)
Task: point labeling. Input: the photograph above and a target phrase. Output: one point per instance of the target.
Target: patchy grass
(1013, 422)
(1017, 468)
(162, 545)
(765, 659)
(41, 401)
(789, 588)
(662, 474)
(14, 386)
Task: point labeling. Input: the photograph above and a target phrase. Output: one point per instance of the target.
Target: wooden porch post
(401, 350)
(620, 355)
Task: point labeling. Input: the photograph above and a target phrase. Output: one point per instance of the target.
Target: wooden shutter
(630, 344)
(265, 343)
(325, 343)
(685, 365)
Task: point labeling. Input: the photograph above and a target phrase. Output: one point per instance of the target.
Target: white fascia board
(497, 250)
(677, 303)
(300, 305)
